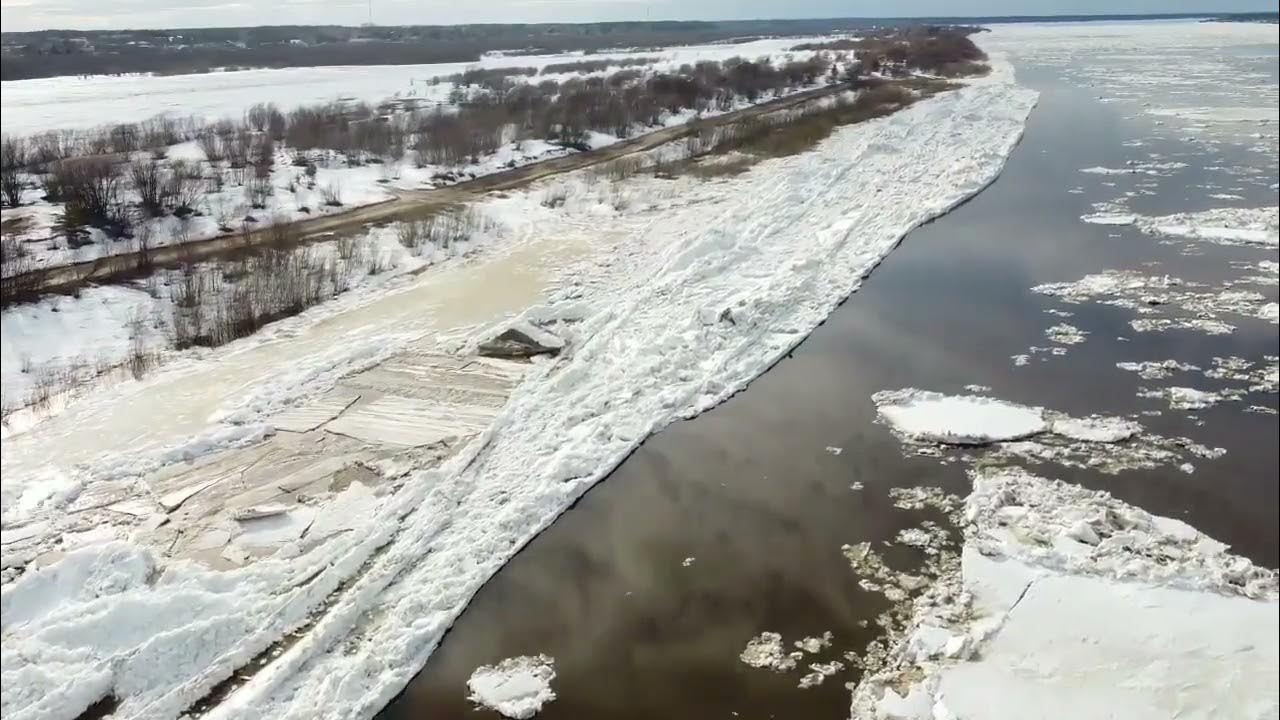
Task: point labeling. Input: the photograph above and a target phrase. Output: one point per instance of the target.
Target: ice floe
(516, 687)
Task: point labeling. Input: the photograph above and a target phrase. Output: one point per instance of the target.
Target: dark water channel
(750, 492)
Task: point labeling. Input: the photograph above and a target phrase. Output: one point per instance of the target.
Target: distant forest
(51, 53)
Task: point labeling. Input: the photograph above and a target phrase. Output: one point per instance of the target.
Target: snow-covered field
(32, 106)
(697, 289)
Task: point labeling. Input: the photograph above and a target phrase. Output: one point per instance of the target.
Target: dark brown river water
(749, 491)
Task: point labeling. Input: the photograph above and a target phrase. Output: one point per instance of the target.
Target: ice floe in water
(1009, 507)
(819, 672)
(814, 644)
(1017, 433)
(1065, 334)
(1154, 297)
(766, 651)
(1096, 428)
(956, 419)
(1225, 226)
(516, 687)
(1156, 369)
(1185, 398)
(923, 416)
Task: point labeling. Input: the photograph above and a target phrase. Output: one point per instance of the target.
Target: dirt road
(117, 267)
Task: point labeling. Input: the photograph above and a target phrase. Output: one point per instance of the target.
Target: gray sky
(100, 14)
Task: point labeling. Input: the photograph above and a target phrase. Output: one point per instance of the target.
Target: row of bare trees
(947, 51)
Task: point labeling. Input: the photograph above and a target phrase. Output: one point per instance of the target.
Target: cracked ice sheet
(1115, 650)
(780, 246)
(1068, 590)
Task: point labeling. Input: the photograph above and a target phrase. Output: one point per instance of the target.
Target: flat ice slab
(957, 419)
(516, 687)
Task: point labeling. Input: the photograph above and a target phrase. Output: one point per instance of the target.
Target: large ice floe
(957, 420)
(1069, 603)
(949, 426)
(335, 629)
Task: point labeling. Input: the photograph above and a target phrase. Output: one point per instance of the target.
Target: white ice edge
(795, 240)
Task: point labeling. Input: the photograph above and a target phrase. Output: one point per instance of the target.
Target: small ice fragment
(516, 687)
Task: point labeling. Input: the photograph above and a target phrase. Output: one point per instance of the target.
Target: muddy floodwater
(719, 528)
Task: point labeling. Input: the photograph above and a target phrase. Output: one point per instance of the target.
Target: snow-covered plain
(32, 106)
(701, 297)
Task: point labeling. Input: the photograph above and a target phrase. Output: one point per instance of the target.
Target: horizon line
(994, 19)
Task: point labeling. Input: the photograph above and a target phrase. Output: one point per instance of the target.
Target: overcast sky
(102, 14)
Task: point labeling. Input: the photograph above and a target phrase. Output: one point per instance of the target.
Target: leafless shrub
(211, 146)
(186, 185)
(142, 236)
(11, 185)
(554, 196)
(409, 234)
(590, 66)
(221, 213)
(263, 117)
(151, 184)
(331, 194)
(93, 196)
(140, 359)
(258, 191)
(346, 247)
(16, 263)
(13, 158)
(264, 152)
(236, 148)
(446, 229)
(281, 233)
(492, 78)
(272, 285)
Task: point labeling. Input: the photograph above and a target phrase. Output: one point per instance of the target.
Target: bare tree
(13, 157)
